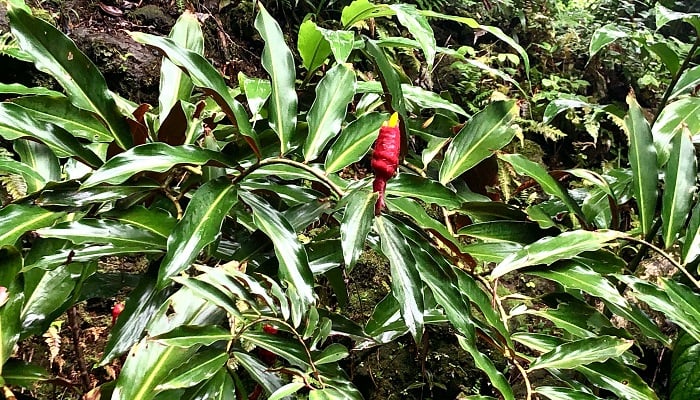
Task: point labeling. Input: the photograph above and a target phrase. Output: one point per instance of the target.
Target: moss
(152, 15)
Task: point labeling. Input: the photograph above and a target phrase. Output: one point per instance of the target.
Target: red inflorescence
(116, 310)
(385, 158)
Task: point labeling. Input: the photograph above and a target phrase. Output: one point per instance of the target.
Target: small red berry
(116, 310)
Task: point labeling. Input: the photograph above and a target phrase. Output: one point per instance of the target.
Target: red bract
(269, 329)
(385, 158)
(116, 310)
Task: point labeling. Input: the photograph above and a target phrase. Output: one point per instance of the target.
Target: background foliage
(545, 216)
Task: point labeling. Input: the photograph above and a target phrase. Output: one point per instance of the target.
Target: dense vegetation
(544, 217)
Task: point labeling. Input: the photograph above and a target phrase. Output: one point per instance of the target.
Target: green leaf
(685, 367)
(17, 122)
(314, 49)
(190, 335)
(58, 110)
(24, 374)
(278, 61)
(671, 122)
(40, 158)
(33, 180)
(491, 252)
(58, 56)
(416, 96)
(70, 196)
(410, 185)
(618, 379)
(679, 187)
(691, 244)
(333, 94)
(354, 141)
(551, 249)
(257, 91)
(485, 364)
(10, 325)
(289, 349)
(206, 77)
(390, 78)
(355, 225)
(642, 158)
(292, 258)
(603, 36)
(90, 230)
(575, 275)
(550, 185)
(360, 10)
(158, 157)
(508, 231)
(405, 280)
(200, 367)
(560, 393)
(155, 220)
(260, 373)
(17, 219)
(332, 353)
(488, 131)
(199, 226)
(16, 88)
(219, 387)
(286, 390)
(418, 26)
(341, 43)
(581, 352)
(174, 84)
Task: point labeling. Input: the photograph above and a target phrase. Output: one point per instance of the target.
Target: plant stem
(75, 331)
(668, 257)
(278, 160)
(676, 78)
(634, 264)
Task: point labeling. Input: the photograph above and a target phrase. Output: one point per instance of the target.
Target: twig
(74, 323)
(666, 256)
(528, 387)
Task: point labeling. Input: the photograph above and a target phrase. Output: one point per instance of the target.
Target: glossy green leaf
(292, 258)
(17, 219)
(70, 196)
(488, 131)
(40, 158)
(341, 43)
(256, 91)
(17, 88)
(278, 61)
(158, 157)
(33, 180)
(199, 226)
(334, 352)
(17, 122)
(618, 379)
(333, 94)
(560, 393)
(574, 275)
(485, 364)
(671, 122)
(21, 373)
(58, 56)
(190, 335)
(174, 84)
(269, 380)
(537, 172)
(581, 352)
(90, 230)
(289, 349)
(206, 77)
(551, 249)
(685, 368)
(49, 293)
(667, 55)
(354, 141)
(219, 387)
(689, 79)
(360, 10)
(389, 77)
(557, 106)
(58, 110)
(417, 97)
(642, 158)
(679, 187)
(313, 48)
(405, 280)
(691, 244)
(508, 231)
(286, 390)
(410, 185)
(418, 26)
(603, 36)
(10, 324)
(355, 225)
(491, 252)
(156, 220)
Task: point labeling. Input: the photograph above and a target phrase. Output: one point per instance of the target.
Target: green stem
(277, 160)
(676, 78)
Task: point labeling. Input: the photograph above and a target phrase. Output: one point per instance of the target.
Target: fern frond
(14, 185)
